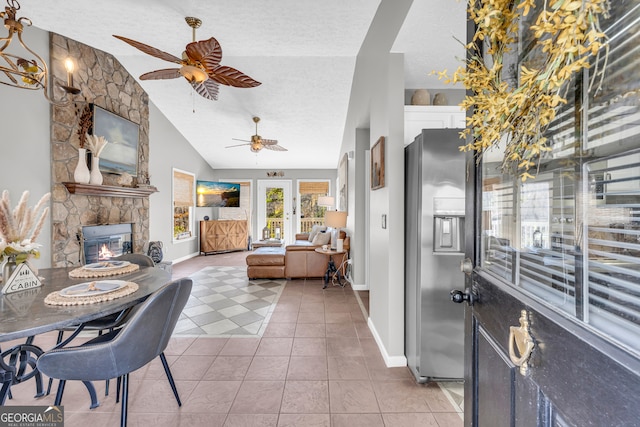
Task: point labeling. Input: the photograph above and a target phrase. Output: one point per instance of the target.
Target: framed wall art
(121, 153)
(343, 190)
(377, 164)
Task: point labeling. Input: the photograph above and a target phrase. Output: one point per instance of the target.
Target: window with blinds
(571, 236)
(310, 212)
(183, 204)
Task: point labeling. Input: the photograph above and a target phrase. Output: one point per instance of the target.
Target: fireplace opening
(103, 242)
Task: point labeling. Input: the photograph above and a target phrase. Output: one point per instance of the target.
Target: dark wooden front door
(574, 378)
(561, 254)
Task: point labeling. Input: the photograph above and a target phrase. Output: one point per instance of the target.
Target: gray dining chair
(106, 323)
(140, 259)
(120, 352)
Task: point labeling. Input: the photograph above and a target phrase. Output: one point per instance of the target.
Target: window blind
(316, 187)
(183, 193)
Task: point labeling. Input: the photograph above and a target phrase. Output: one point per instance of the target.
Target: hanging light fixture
(29, 70)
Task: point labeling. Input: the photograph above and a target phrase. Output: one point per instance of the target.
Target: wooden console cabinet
(223, 236)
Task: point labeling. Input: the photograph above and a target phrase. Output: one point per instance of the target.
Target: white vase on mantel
(81, 174)
(96, 175)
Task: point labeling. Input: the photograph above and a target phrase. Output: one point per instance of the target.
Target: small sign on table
(21, 279)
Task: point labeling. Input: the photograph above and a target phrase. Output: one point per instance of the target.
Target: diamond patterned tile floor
(224, 302)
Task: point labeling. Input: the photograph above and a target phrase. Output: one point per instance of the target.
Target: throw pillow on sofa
(321, 238)
(315, 230)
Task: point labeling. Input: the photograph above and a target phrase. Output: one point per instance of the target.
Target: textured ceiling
(304, 53)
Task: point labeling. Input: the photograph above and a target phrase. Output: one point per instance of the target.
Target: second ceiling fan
(257, 142)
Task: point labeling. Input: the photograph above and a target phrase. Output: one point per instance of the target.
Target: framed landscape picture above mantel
(121, 153)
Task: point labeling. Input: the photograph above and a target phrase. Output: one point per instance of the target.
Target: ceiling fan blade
(207, 52)
(150, 50)
(275, 147)
(245, 140)
(207, 89)
(269, 141)
(167, 73)
(237, 145)
(232, 77)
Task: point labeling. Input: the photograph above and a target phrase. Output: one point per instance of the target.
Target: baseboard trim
(390, 361)
(359, 287)
(186, 257)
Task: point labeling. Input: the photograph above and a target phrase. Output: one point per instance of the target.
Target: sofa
(297, 260)
(302, 261)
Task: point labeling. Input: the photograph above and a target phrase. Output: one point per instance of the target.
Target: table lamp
(326, 201)
(336, 220)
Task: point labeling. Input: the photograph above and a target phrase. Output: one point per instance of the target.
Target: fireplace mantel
(108, 190)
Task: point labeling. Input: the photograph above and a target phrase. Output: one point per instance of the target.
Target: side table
(332, 270)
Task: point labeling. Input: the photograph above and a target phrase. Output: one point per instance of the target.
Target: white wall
(25, 153)
(168, 149)
(377, 104)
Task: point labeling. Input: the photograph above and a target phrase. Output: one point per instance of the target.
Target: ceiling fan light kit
(193, 74)
(199, 65)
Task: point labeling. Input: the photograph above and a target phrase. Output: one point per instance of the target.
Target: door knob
(460, 296)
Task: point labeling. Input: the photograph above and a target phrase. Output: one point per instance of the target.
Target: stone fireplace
(106, 83)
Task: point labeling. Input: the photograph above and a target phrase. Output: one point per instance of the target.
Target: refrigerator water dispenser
(448, 225)
(448, 232)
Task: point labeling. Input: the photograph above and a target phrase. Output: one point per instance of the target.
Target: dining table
(27, 313)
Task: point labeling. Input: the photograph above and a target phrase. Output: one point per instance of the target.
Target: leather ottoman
(266, 263)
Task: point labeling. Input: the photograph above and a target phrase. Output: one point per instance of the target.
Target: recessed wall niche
(106, 83)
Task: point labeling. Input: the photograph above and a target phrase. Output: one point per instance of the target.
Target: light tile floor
(316, 364)
(225, 303)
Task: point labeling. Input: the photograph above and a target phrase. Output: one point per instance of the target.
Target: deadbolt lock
(466, 266)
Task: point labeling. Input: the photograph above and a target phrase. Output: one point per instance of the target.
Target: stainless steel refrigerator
(434, 245)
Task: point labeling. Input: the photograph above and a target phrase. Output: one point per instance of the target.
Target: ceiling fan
(257, 143)
(200, 65)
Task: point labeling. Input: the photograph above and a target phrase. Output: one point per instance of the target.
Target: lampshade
(335, 219)
(326, 201)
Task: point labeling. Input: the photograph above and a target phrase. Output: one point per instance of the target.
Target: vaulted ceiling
(302, 51)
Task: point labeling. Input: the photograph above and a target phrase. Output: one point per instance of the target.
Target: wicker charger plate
(83, 273)
(54, 298)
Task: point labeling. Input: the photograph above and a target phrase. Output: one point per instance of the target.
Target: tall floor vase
(81, 174)
(96, 175)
